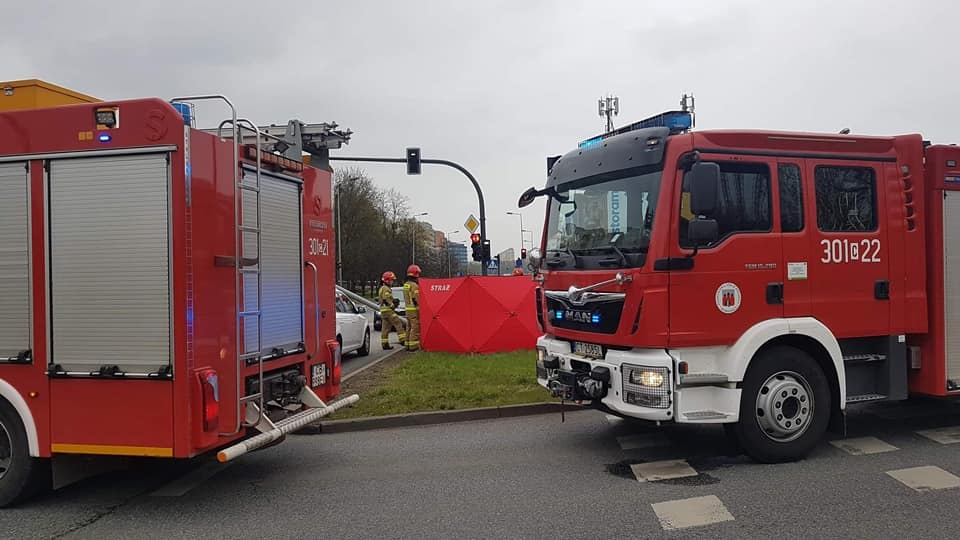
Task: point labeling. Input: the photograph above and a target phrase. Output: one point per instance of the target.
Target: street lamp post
(336, 196)
(416, 225)
(521, 225)
(446, 244)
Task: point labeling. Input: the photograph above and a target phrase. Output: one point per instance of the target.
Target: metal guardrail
(364, 301)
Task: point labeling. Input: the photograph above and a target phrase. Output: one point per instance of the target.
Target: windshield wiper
(560, 262)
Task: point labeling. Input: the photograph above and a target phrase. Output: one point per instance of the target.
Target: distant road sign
(493, 266)
(519, 263)
(471, 224)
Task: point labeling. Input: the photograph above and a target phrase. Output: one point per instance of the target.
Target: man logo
(728, 298)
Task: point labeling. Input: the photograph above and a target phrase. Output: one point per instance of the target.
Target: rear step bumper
(272, 432)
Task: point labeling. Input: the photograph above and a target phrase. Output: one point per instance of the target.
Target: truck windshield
(604, 217)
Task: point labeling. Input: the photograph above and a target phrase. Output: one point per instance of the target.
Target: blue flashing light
(595, 318)
(104, 137)
(591, 142)
(184, 110)
(676, 121)
(558, 315)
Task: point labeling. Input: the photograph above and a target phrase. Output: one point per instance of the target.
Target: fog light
(653, 379)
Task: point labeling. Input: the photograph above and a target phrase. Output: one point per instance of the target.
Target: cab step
(864, 358)
(701, 416)
(866, 398)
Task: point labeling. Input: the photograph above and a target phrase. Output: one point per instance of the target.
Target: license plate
(591, 350)
(318, 375)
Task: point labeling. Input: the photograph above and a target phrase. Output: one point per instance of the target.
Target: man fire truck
(759, 280)
(165, 291)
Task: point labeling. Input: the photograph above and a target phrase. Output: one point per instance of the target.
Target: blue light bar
(595, 319)
(676, 121)
(104, 137)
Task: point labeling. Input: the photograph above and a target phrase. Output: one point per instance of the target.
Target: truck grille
(600, 316)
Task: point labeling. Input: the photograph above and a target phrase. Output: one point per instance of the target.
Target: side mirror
(704, 188)
(703, 231)
(528, 197)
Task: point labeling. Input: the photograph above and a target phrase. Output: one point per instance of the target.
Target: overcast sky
(499, 85)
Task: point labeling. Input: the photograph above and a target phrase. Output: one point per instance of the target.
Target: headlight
(541, 355)
(646, 386)
(653, 379)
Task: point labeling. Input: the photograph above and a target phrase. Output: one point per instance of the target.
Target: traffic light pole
(476, 185)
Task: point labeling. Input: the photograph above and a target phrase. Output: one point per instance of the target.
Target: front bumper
(635, 383)
(639, 383)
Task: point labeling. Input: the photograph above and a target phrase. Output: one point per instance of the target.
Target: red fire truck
(165, 291)
(759, 280)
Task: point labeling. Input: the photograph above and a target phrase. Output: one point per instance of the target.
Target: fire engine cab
(165, 291)
(759, 280)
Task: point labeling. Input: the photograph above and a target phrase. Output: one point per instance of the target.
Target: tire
(365, 348)
(378, 324)
(784, 388)
(21, 476)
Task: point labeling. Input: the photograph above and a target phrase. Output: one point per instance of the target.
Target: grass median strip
(430, 381)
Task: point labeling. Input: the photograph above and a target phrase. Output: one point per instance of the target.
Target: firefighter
(411, 297)
(389, 317)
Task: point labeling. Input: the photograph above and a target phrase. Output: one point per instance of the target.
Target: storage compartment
(281, 265)
(109, 263)
(15, 305)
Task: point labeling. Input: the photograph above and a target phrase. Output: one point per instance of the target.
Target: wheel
(21, 476)
(784, 407)
(365, 348)
(377, 323)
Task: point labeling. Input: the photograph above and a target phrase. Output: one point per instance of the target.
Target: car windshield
(605, 216)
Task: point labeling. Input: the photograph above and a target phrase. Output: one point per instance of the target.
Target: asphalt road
(352, 362)
(532, 477)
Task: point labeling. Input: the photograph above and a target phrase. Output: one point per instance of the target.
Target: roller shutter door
(109, 262)
(951, 281)
(281, 264)
(14, 261)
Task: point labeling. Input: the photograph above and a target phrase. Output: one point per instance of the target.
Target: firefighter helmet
(388, 276)
(517, 272)
(413, 270)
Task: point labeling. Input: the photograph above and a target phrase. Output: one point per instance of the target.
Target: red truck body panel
(159, 417)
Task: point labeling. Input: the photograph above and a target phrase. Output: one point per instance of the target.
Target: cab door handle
(774, 293)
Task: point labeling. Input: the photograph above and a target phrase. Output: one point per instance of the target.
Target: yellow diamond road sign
(471, 224)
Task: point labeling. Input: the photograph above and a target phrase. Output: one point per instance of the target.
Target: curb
(352, 374)
(437, 417)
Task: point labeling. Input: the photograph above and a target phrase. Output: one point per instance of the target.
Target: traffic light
(475, 244)
(413, 161)
(486, 250)
(523, 253)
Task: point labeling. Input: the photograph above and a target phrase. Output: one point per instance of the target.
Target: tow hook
(578, 386)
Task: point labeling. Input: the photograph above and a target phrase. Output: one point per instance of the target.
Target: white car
(353, 327)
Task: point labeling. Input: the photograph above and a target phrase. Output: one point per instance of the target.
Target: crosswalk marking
(926, 478)
(863, 446)
(694, 512)
(662, 470)
(948, 435)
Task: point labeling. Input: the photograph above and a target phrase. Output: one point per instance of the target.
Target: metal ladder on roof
(244, 266)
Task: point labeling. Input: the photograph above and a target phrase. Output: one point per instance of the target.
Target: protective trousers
(413, 330)
(391, 321)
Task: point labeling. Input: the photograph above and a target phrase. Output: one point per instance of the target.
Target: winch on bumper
(635, 383)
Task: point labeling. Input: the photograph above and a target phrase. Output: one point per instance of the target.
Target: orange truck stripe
(106, 450)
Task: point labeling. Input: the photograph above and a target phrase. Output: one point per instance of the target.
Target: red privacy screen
(478, 314)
